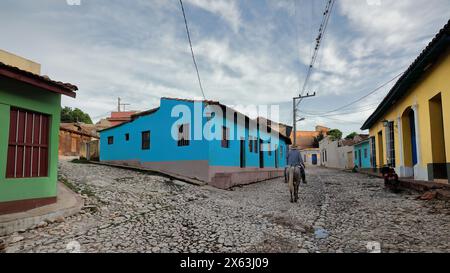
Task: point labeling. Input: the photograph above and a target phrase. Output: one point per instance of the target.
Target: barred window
(110, 140)
(373, 154)
(390, 144)
(225, 137)
(146, 140)
(28, 145)
(183, 135)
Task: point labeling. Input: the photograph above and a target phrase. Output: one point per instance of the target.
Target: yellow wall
(19, 62)
(436, 80)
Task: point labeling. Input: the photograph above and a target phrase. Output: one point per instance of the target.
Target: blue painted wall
(364, 149)
(164, 148)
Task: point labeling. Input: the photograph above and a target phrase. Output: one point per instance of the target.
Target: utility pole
(121, 104)
(295, 108)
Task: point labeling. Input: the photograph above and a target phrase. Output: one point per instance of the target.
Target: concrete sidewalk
(440, 190)
(68, 203)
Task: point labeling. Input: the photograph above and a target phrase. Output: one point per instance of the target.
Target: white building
(338, 153)
(311, 156)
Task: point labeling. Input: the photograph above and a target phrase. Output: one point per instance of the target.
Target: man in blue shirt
(294, 158)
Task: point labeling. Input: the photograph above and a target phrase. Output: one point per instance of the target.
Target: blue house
(362, 155)
(202, 140)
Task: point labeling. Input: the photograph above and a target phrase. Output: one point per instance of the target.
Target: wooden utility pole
(295, 108)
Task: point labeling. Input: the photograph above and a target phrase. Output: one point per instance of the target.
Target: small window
(110, 140)
(146, 140)
(183, 135)
(356, 155)
(225, 137)
(127, 137)
(365, 153)
(250, 145)
(270, 149)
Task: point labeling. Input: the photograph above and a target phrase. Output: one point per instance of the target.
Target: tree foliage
(335, 134)
(351, 136)
(74, 115)
(317, 139)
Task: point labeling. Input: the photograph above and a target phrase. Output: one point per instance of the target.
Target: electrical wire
(363, 97)
(322, 31)
(192, 50)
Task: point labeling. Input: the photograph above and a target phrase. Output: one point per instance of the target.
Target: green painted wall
(13, 93)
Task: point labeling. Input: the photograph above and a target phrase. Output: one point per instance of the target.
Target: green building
(30, 106)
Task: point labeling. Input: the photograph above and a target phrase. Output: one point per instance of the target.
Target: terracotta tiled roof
(37, 80)
(80, 128)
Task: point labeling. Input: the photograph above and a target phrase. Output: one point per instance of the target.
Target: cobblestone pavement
(128, 211)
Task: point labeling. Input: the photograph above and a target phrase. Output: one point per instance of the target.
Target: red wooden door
(28, 144)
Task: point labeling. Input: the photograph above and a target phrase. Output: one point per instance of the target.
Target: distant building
(338, 154)
(362, 155)
(311, 157)
(410, 129)
(120, 117)
(309, 148)
(73, 138)
(156, 140)
(30, 110)
(305, 139)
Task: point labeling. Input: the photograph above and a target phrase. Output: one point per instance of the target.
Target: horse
(294, 174)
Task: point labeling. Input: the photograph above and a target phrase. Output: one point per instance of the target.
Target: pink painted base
(220, 177)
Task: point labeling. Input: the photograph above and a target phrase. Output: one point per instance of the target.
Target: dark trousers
(302, 172)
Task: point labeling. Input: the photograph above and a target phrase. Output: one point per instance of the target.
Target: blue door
(412, 127)
(314, 159)
(360, 159)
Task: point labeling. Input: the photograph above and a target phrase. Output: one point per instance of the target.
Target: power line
(343, 121)
(356, 111)
(297, 39)
(322, 31)
(312, 112)
(192, 50)
(363, 97)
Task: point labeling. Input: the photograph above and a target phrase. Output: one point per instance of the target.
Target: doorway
(350, 162)
(412, 129)
(380, 149)
(261, 154)
(276, 156)
(409, 142)
(242, 153)
(439, 166)
(314, 159)
(359, 159)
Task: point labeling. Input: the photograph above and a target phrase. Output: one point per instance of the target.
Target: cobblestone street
(128, 211)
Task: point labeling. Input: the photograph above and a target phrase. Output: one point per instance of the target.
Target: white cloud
(228, 10)
(139, 51)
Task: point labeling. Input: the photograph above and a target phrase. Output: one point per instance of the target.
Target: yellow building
(19, 62)
(410, 129)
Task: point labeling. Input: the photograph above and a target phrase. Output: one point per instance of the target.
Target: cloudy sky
(248, 52)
